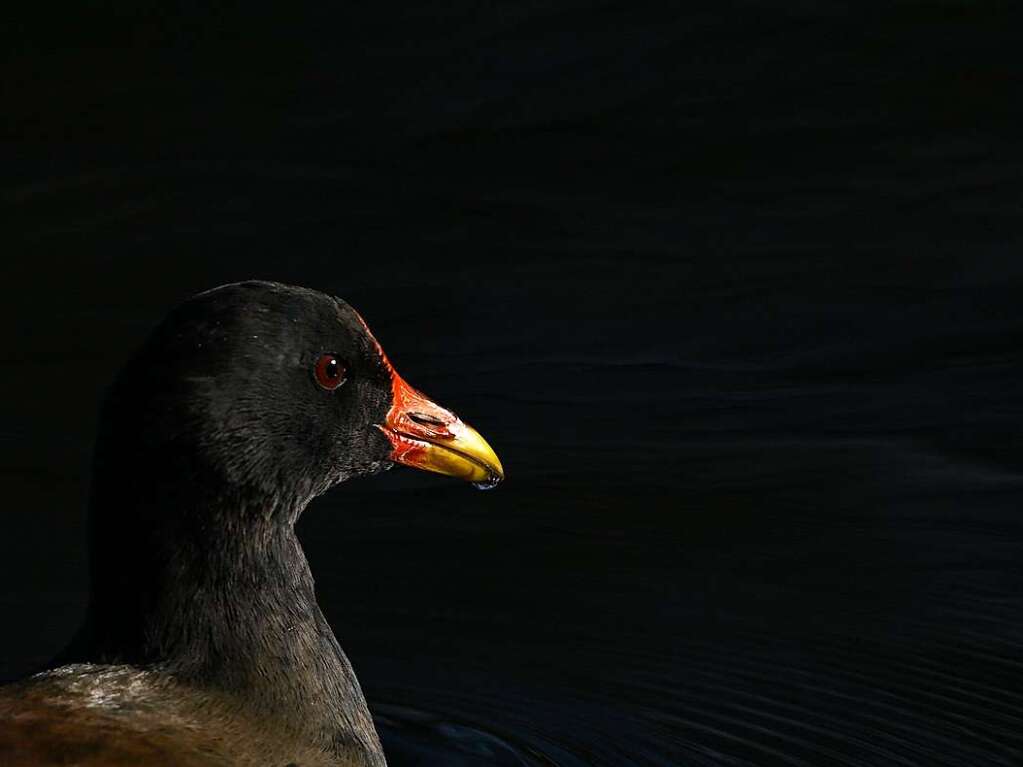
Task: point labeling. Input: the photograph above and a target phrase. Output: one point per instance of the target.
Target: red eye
(330, 372)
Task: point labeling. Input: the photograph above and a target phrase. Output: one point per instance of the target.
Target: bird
(203, 643)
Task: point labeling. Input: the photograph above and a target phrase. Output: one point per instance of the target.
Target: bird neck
(217, 592)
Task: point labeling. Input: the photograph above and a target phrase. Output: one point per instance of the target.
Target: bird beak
(426, 436)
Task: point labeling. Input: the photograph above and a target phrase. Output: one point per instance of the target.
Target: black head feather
(225, 390)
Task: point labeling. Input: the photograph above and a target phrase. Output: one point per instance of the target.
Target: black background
(734, 291)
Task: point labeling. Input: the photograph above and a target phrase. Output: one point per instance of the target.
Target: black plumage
(203, 639)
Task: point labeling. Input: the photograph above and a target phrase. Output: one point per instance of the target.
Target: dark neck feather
(212, 586)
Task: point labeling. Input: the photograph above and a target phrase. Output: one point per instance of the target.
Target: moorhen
(204, 644)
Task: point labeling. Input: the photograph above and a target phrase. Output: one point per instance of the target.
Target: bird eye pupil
(329, 372)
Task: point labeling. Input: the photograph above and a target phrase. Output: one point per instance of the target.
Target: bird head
(283, 391)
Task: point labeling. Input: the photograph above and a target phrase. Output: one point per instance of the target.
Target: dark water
(735, 293)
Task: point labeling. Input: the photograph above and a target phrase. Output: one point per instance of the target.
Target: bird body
(204, 643)
(118, 715)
